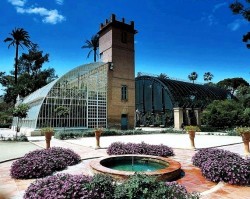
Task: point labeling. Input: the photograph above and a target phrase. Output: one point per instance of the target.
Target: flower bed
(41, 163)
(102, 186)
(221, 165)
(119, 148)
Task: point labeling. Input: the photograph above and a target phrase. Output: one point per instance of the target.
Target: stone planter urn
(48, 132)
(191, 137)
(98, 133)
(245, 134)
(191, 131)
(246, 139)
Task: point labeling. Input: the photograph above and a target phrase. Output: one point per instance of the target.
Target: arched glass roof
(72, 85)
(152, 91)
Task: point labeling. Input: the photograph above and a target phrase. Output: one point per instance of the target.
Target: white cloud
(219, 5)
(236, 24)
(48, 16)
(211, 18)
(17, 2)
(60, 2)
(53, 17)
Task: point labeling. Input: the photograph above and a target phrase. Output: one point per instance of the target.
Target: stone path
(192, 180)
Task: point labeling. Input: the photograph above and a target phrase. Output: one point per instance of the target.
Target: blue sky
(174, 37)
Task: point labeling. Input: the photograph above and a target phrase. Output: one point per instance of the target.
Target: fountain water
(120, 166)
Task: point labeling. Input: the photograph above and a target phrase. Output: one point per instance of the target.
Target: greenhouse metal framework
(82, 90)
(156, 98)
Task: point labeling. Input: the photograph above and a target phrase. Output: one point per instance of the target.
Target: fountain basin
(167, 169)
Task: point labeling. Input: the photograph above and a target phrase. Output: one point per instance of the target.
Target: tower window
(124, 92)
(124, 37)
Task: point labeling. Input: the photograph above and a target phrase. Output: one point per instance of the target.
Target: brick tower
(116, 46)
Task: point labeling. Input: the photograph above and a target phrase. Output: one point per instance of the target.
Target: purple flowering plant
(44, 162)
(221, 165)
(119, 148)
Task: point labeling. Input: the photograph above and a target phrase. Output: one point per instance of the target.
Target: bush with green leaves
(104, 187)
(227, 113)
(147, 187)
(73, 134)
(19, 138)
(101, 186)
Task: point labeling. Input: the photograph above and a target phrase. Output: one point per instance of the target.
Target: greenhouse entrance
(124, 122)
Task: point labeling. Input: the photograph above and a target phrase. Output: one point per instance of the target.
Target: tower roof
(118, 24)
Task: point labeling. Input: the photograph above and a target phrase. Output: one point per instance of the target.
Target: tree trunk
(94, 55)
(16, 64)
(17, 126)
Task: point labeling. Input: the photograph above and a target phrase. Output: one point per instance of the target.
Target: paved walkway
(85, 147)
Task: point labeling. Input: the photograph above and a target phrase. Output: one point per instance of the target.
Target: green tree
(62, 111)
(239, 8)
(232, 83)
(93, 44)
(31, 76)
(5, 113)
(163, 76)
(19, 37)
(193, 76)
(243, 95)
(20, 112)
(208, 76)
(221, 114)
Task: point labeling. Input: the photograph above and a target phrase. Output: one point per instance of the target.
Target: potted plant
(245, 134)
(98, 132)
(47, 132)
(191, 131)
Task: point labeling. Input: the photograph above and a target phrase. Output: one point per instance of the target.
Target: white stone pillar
(197, 112)
(178, 118)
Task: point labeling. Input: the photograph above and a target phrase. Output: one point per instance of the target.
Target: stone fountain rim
(173, 167)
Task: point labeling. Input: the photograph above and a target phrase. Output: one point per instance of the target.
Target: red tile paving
(192, 179)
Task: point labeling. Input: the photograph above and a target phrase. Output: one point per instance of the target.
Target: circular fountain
(123, 166)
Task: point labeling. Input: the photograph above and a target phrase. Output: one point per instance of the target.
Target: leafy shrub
(19, 138)
(101, 186)
(5, 125)
(41, 163)
(221, 165)
(227, 113)
(73, 134)
(119, 148)
(22, 138)
(59, 186)
(143, 186)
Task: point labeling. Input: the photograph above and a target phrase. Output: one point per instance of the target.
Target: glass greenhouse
(157, 97)
(82, 90)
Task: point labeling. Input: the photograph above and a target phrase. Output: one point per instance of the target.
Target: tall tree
(232, 84)
(238, 8)
(31, 76)
(193, 76)
(208, 76)
(93, 44)
(163, 76)
(19, 37)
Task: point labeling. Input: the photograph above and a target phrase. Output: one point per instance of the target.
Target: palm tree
(92, 44)
(193, 76)
(19, 37)
(208, 76)
(163, 76)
